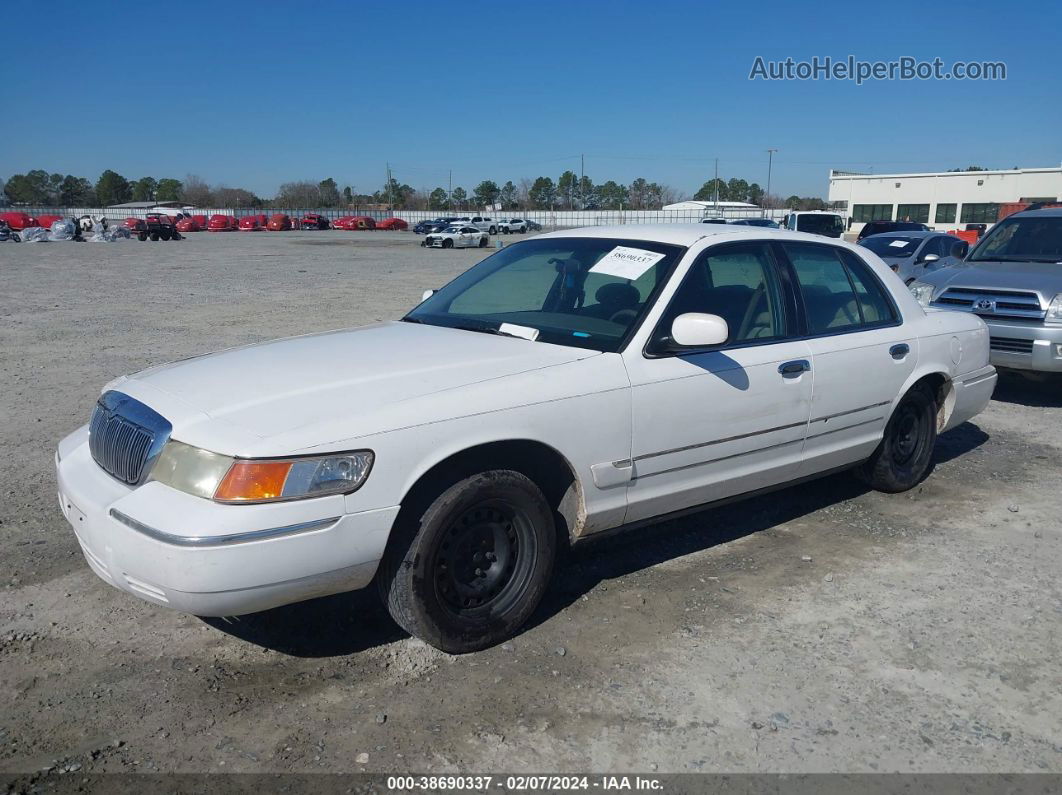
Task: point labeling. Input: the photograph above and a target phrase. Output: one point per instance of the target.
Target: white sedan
(457, 237)
(568, 385)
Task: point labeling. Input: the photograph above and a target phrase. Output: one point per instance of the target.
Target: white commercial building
(944, 200)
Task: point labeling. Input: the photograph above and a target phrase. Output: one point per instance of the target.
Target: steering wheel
(624, 317)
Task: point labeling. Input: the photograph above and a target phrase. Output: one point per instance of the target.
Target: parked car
(393, 224)
(481, 222)
(766, 223)
(815, 222)
(279, 222)
(911, 255)
(568, 385)
(19, 221)
(222, 223)
(47, 220)
(250, 223)
(314, 221)
(533, 226)
(881, 227)
(508, 226)
(713, 220)
(456, 237)
(354, 222)
(154, 226)
(1012, 280)
(435, 225)
(190, 224)
(980, 229)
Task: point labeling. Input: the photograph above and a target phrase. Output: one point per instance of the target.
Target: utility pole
(390, 199)
(716, 183)
(582, 176)
(450, 193)
(767, 197)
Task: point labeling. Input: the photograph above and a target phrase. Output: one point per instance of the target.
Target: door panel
(714, 423)
(861, 353)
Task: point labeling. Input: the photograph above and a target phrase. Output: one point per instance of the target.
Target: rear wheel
(492, 231)
(477, 564)
(902, 459)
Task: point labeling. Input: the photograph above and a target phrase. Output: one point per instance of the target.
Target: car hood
(228, 401)
(1042, 277)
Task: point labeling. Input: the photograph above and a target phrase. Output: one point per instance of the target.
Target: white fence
(552, 219)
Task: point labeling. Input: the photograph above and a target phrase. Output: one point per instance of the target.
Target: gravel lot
(825, 628)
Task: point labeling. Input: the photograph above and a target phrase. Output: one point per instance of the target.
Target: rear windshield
(820, 224)
(891, 245)
(1028, 239)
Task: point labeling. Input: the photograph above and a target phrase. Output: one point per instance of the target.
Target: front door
(713, 423)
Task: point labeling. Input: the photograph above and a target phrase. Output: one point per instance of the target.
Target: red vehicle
(250, 223)
(279, 223)
(393, 224)
(154, 226)
(314, 221)
(354, 222)
(221, 223)
(47, 220)
(19, 220)
(192, 223)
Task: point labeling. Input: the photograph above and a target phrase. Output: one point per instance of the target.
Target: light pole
(770, 162)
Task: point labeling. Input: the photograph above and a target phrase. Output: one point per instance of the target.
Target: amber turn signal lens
(253, 480)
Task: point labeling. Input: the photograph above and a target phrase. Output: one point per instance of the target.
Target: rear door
(712, 423)
(862, 352)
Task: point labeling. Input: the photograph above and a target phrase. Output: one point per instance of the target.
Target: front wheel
(483, 242)
(902, 459)
(477, 564)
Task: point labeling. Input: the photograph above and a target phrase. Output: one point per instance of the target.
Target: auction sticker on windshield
(627, 263)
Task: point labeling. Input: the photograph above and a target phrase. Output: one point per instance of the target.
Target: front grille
(992, 303)
(124, 434)
(1010, 345)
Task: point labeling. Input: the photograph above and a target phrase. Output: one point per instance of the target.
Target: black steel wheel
(470, 570)
(903, 458)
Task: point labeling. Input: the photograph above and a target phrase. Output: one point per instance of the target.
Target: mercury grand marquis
(568, 385)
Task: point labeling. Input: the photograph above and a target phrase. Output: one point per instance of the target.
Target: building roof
(143, 205)
(853, 175)
(697, 204)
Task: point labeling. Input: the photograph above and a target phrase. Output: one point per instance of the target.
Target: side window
(874, 305)
(738, 283)
(840, 291)
(829, 296)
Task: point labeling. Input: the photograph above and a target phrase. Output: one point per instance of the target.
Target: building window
(946, 213)
(861, 213)
(980, 213)
(919, 213)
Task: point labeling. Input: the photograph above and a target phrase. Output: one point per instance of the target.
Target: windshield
(891, 245)
(820, 224)
(1036, 239)
(452, 229)
(586, 292)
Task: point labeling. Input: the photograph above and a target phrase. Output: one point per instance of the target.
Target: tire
(448, 243)
(165, 234)
(476, 565)
(483, 242)
(492, 231)
(142, 236)
(154, 236)
(903, 458)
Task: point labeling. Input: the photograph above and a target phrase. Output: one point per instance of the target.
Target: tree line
(569, 191)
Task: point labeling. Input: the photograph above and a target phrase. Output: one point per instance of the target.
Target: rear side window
(839, 292)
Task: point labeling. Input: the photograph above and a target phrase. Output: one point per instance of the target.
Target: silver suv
(1012, 279)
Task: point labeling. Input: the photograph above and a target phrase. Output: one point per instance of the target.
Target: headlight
(922, 292)
(1054, 311)
(240, 480)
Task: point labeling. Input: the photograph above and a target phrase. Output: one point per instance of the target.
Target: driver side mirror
(698, 330)
(929, 259)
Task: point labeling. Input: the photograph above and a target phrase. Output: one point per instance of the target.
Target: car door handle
(899, 351)
(794, 368)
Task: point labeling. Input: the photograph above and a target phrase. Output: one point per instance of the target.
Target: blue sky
(285, 91)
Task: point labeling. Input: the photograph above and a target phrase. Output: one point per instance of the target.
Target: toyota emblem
(985, 305)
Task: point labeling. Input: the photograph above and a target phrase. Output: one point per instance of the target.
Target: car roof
(906, 233)
(685, 234)
(1046, 212)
